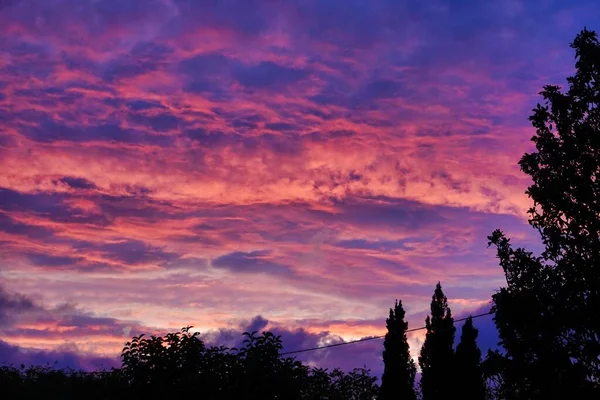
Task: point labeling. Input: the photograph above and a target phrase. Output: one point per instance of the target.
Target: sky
(293, 166)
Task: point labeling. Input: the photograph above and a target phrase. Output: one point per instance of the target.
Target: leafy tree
(358, 384)
(47, 382)
(264, 373)
(163, 366)
(437, 354)
(398, 379)
(469, 377)
(546, 314)
(179, 364)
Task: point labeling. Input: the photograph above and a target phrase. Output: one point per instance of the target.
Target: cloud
(318, 159)
(48, 260)
(130, 252)
(67, 357)
(10, 226)
(257, 324)
(36, 333)
(78, 183)
(251, 262)
(345, 357)
(269, 75)
(363, 244)
(13, 303)
(12, 200)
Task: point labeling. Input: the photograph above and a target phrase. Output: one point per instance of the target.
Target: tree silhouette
(469, 377)
(180, 365)
(437, 354)
(398, 379)
(264, 373)
(546, 314)
(164, 366)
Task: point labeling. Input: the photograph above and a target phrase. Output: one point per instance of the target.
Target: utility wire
(374, 337)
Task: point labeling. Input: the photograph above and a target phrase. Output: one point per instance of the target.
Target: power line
(373, 337)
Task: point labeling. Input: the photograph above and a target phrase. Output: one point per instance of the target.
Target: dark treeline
(180, 364)
(546, 315)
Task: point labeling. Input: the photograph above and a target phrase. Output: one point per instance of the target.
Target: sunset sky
(285, 165)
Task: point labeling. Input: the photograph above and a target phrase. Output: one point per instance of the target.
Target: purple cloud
(65, 357)
(251, 262)
(129, 252)
(269, 75)
(78, 183)
(13, 303)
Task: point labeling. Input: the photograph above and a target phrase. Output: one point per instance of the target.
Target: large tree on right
(547, 315)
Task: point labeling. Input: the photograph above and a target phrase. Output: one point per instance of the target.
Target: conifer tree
(437, 354)
(398, 379)
(468, 375)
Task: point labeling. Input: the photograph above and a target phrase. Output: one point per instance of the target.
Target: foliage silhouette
(468, 376)
(180, 364)
(398, 379)
(437, 354)
(547, 313)
(36, 382)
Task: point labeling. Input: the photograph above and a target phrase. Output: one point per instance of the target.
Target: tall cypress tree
(398, 380)
(437, 354)
(468, 375)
